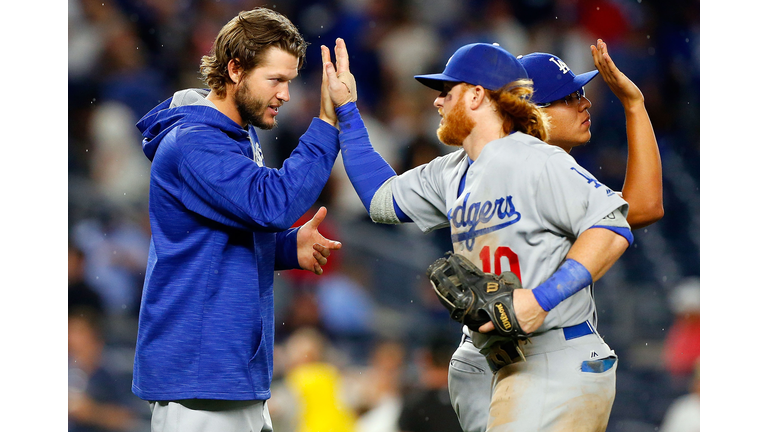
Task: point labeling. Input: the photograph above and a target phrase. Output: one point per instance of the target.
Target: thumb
(326, 61)
(325, 76)
(487, 327)
(317, 218)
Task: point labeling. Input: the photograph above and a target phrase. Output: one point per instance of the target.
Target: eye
(447, 87)
(573, 98)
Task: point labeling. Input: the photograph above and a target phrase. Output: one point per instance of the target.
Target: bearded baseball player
(561, 95)
(514, 204)
(221, 225)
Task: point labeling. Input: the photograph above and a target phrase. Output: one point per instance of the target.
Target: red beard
(456, 125)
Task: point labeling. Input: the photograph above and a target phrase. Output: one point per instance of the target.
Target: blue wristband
(567, 281)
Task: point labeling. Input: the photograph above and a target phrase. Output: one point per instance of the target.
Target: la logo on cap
(560, 64)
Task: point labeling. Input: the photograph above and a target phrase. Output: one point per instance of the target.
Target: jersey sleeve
(421, 193)
(222, 184)
(570, 199)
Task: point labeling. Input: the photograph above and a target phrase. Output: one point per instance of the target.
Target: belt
(507, 353)
(578, 330)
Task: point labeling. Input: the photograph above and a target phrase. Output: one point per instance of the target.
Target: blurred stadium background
(372, 312)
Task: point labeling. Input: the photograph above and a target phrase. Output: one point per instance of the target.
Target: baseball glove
(473, 297)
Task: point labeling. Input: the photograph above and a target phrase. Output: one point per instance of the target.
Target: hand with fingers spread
(627, 92)
(341, 87)
(313, 248)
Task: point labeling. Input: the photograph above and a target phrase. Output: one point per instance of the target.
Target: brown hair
(518, 112)
(245, 39)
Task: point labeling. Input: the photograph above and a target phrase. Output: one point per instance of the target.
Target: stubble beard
(252, 109)
(456, 126)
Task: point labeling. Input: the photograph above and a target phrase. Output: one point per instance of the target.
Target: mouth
(273, 109)
(588, 121)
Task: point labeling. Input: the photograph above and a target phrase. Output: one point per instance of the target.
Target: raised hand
(643, 186)
(327, 111)
(620, 85)
(313, 248)
(341, 83)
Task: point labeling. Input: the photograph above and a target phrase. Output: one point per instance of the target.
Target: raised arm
(366, 169)
(642, 183)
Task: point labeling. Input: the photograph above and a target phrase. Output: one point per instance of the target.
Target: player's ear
(478, 95)
(234, 70)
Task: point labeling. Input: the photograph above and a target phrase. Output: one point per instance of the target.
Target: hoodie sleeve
(221, 183)
(286, 250)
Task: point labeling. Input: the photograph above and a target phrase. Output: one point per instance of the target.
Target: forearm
(287, 196)
(643, 182)
(590, 257)
(222, 184)
(365, 167)
(597, 249)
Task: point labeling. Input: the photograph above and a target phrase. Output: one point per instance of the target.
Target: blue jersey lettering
(472, 214)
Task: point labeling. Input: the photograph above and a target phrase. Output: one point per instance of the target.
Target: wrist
(634, 106)
(327, 119)
(346, 110)
(349, 117)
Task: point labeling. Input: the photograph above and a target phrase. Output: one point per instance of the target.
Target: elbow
(621, 245)
(658, 213)
(620, 242)
(646, 217)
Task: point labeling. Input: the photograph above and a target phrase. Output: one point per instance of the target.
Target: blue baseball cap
(483, 64)
(552, 78)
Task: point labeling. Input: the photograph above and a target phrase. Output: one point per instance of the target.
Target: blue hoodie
(221, 225)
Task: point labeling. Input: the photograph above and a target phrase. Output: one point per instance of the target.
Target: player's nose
(584, 103)
(284, 94)
(438, 103)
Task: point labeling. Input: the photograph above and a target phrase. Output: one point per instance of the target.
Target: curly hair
(245, 39)
(518, 112)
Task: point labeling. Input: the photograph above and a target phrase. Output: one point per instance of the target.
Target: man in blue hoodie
(221, 225)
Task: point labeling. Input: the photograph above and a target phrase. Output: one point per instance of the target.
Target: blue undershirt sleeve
(365, 167)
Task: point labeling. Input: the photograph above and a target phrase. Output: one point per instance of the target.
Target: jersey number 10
(498, 254)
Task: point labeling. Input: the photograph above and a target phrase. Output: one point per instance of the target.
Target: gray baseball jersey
(523, 205)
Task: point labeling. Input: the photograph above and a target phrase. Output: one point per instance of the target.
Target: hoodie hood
(186, 106)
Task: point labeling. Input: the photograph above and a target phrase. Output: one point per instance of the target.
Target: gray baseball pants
(564, 385)
(199, 415)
